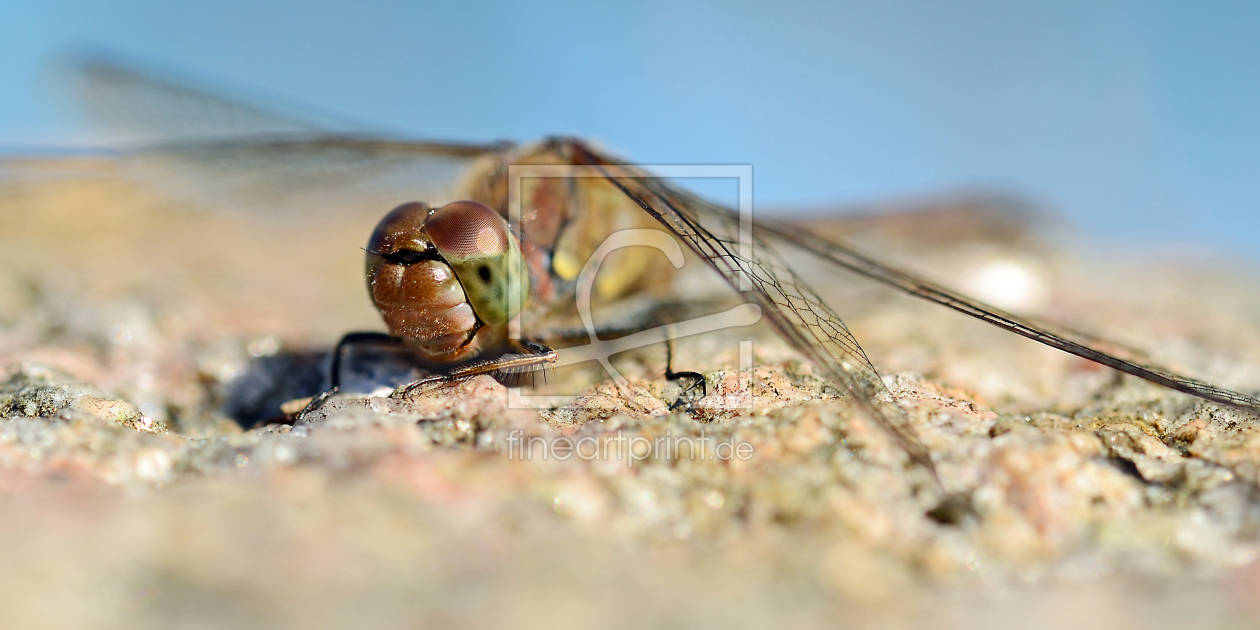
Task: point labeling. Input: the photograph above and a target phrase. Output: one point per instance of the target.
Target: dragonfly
(234, 150)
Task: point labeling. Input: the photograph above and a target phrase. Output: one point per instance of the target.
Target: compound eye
(401, 229)
(467, 229)
(398, 234)
(475, 241)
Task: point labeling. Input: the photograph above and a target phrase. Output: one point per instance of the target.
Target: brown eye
(476, 243)
(401, 229)
(418, 294)
(467, 229)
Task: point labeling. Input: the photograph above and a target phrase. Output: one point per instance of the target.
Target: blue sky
(1135, 120)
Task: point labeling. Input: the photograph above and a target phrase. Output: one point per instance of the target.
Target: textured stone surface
(131, 500)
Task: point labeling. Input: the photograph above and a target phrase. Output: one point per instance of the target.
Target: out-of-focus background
(141, 344)
(1138, 121)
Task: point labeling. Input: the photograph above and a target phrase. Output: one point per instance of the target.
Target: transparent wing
(814, 329)
(1083, 345)
(801, 316)
(304, 177)
(673, 207)
(140, 105)
(225, 153)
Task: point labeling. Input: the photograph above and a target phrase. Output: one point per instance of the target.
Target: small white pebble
(283, 454)
(715, 499)
(263, 347)
(153, 465)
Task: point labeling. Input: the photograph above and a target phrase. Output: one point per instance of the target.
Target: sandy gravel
(131, 324)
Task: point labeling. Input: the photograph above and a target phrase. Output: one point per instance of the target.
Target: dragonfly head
(438, 275)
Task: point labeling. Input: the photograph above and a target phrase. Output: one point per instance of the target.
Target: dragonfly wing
(1083, 345)
(225, 152)
(133, 104)
(305, 177)
(799, 314)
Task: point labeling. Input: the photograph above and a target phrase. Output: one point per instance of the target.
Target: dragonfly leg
(334, 368)
(689, 394)
(525, 357)
(354, 339)
(643, 318)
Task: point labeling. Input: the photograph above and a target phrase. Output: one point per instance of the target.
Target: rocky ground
(130, 325)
